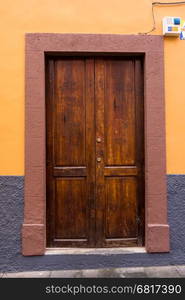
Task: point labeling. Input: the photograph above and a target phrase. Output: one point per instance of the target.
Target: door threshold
(95, 251)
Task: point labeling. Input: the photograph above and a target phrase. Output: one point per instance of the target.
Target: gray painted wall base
(11, 219)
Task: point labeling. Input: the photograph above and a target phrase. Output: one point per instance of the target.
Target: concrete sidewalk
(139, 272)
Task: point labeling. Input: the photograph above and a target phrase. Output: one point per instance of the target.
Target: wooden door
(119, 155)
(95, 159)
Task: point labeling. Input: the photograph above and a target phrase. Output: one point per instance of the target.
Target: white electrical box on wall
(171, 26)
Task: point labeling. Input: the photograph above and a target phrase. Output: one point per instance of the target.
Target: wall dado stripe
(11, 259)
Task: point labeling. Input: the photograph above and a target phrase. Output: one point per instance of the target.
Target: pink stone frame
(37, 45)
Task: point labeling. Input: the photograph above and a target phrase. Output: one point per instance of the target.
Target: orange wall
(82, 16)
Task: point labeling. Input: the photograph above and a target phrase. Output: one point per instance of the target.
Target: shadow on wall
(11, 219)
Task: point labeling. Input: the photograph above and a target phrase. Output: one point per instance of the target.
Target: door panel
(120, 159)
(71, 208)
(69, 135)
(119, 112)
(121, 207)
(95, 153)
(70, 159)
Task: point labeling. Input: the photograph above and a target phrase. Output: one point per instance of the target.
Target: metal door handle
(98, 159)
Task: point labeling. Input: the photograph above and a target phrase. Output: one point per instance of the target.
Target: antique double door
(95, 152)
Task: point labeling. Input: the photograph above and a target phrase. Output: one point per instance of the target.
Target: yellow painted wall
(82, 16)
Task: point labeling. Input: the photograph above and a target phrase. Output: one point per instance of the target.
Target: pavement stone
(39, 274)
(105, 273)
(162, 272)
(66, 274)
(137, 272)
(181, 270)
(101, 273)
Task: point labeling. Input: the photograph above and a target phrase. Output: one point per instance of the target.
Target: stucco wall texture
(82, 16)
